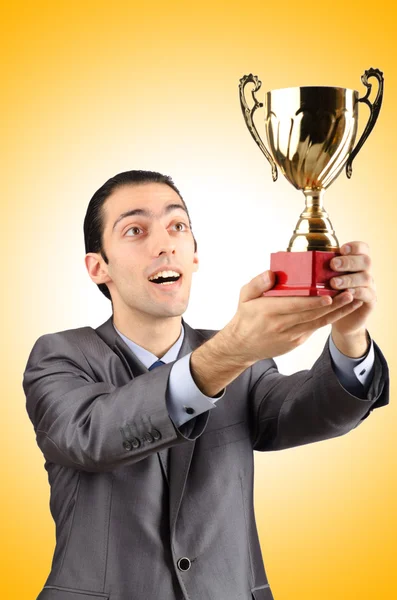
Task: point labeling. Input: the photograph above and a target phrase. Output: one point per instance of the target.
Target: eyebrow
(148, 213)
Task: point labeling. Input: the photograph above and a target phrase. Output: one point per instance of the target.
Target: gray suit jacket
(122, 521)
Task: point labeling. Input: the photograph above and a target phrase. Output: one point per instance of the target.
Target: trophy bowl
(310, 132)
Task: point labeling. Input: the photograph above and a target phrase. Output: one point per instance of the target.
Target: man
(151, 469)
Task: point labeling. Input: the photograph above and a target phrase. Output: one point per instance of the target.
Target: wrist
(234, 345)
(352, 345)
(214, 364)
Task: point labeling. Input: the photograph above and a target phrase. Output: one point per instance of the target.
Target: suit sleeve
(93, 425)
(310, 405)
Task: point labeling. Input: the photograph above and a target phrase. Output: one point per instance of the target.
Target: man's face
(138, 246)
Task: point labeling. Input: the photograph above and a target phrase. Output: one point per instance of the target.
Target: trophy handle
(249, 113)
(374, 108)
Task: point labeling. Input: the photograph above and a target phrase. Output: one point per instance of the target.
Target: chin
(174, 311)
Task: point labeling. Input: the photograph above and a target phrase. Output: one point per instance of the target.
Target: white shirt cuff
(185, 400)
(352, 370)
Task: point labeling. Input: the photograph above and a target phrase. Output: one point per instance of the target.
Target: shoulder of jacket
(69, 335)
(65, 341)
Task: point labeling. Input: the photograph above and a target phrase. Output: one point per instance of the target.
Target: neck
(157, 335)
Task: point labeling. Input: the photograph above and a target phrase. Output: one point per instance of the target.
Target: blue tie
(156, 364)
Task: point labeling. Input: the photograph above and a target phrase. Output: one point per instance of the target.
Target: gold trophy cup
(310, 132)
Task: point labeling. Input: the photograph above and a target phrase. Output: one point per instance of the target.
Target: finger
(306, 316)
(285, 305)
(365, 294)
(259, 284)
(332, 317)
(291, 305)
(352, 280)
(290, 311)
(355, 248)
(361, 262)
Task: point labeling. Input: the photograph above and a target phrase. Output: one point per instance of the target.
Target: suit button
(189, 410)
(135, 442)
(148, 438)
(184, 563)
(127, 445)
(156, 434)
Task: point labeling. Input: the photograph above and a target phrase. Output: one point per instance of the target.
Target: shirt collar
(146, 357)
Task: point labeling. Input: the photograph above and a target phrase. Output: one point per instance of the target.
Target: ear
(96, 271)
(195, 262)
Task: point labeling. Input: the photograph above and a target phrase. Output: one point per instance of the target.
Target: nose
(162, 241)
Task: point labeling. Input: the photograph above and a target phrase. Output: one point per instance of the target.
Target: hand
(359, 282)
(264, 327)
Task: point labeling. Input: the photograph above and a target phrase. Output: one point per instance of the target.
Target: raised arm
(297, 409)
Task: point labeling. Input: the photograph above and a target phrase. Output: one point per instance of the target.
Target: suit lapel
(180, 456)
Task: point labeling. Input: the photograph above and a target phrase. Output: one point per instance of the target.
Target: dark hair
(94, 221)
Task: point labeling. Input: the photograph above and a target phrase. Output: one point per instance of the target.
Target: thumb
(259, 284)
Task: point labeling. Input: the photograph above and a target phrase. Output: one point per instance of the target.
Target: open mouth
(167, 282)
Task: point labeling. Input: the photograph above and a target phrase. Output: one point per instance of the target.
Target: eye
(130, 229)
(181, 223)
(135, 227)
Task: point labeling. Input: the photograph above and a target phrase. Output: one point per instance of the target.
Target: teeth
(164, 274)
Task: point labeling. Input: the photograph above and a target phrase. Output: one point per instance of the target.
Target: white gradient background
(93, 89)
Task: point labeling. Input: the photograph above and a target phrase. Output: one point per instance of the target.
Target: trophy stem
(314, 229)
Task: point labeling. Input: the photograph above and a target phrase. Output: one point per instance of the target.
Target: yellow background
(91, 89)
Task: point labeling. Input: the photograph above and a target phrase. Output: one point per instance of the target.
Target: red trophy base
(302, 273)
